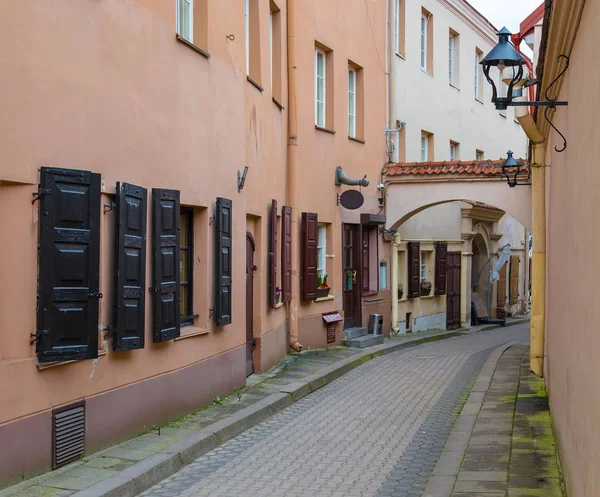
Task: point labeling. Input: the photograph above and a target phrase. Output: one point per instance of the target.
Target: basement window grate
(68, 434)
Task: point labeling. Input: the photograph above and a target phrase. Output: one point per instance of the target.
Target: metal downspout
(292, 306)
(538, 263)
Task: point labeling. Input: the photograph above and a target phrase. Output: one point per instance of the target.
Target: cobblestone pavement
(376, 431)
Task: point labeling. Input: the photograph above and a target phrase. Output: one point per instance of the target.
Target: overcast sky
(509, 13)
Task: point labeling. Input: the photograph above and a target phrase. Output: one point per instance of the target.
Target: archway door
(453, 290)
(250, 268)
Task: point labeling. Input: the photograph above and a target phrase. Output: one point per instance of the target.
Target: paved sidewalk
(132, 466)
(502, 444)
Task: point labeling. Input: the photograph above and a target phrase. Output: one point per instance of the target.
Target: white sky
(509, 13)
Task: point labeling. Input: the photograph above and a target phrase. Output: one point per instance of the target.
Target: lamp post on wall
(505, 57)
(511, 168)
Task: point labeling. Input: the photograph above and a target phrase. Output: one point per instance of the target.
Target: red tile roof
(478, 167)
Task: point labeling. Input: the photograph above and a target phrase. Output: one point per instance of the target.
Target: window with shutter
(413, 257)
(165, 251)
(272, 297)
(69, 265)
(514, 280)
(308, 273)
(223, 266)
(130, 267)
(441, 262)
(501, 300)
(286, 254)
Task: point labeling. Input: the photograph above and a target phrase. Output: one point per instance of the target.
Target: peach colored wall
(355, 31)
(573, 238)
(109, 89)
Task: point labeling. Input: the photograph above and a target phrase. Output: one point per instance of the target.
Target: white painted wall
(429, 102)
(440, 222)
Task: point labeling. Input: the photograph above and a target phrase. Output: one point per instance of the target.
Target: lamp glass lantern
(503, 56)
(511, 169)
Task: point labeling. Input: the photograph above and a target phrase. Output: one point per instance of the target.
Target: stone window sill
(358, 140)
(325, 299)
(279, 305)
(279, 106)
(192, 331)
(326, 130)
(192, 46)
(255, 84)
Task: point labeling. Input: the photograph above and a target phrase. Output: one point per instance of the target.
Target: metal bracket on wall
(38, 195)
(211, 312)
(35, 337)
(109, 207)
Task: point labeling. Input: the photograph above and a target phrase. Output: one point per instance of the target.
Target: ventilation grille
(68, 434)
(330, 332)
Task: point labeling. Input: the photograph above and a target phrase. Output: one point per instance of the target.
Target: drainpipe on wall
(394, 294)
(391, 75)
(517, 39)
(538, 263)
(292, 306)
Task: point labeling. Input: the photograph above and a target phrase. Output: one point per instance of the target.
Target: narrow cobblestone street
(378, 430)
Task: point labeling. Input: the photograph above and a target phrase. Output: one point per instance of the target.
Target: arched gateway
(411, 188)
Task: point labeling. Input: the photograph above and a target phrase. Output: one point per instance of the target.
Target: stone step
(355, 332)
(364, 341)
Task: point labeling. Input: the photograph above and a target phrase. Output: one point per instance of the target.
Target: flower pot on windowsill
(425, 289)
(323, 292)
(400, 292)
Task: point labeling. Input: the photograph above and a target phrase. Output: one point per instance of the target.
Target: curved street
(378, 430)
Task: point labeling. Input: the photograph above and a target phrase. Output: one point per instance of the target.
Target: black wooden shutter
(69, 265)
(223, 266)
(366, 260)
(286, 254)
(166, 288)
(308, 276)
(441, 263)
(272, 297)
(413, 250)
(130, 267)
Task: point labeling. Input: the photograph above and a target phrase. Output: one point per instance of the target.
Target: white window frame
(397, 26)
(323, 77)
(321, 249)
(424, 22)
(352, 101)
(424, 147)
(451, 46)
(423, 267)
(453, 150)
(271, 46)
(478, 95)
(247, 34)
(479, 155)
(383, 275)
(190, 20)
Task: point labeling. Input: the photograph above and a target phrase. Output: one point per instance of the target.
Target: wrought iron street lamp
(511, 168)
(504, 56)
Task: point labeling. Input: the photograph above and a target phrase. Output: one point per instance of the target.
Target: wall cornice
(473, 18)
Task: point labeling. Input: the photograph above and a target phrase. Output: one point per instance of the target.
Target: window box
(323, 292)
(425, 288)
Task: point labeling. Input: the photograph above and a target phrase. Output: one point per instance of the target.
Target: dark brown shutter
(272, 297)
(441, 263)
(223, 266)
(501, 301)
(308, 276)
(286, 254)
(366, 273)
(69, 265)
(166, 288)
(130, 267)
(413, 251)
(514, 280)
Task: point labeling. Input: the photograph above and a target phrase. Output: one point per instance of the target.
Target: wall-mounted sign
(352, 199)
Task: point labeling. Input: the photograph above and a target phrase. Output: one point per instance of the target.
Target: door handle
(354, 277)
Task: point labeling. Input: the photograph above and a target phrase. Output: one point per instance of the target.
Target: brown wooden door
(453, 291)
(250, 268)
(351, 275)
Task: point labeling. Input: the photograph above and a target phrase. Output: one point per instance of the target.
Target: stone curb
(150, 471)
(441, 482)
(507, 325)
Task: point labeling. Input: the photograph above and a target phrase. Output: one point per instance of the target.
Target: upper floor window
(399, 27)
(426, 41)
(351, 102)
(247, 34)
(479, 155)
(185, 19)
(478, 75)
(453, 57)
(321, 250)
(320, 87)
(454, 147)
(186, 264)
(426, 146)
(275, 35)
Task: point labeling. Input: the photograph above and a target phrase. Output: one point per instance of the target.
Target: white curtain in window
(321, 250)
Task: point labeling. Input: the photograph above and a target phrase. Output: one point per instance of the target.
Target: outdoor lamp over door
(505, 56)
(511, 169)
